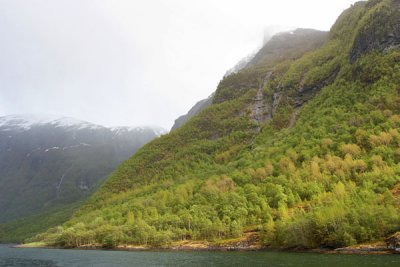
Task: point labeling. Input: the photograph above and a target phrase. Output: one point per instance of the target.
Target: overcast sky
(133, 62)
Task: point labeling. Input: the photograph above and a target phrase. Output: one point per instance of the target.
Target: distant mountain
(48, 162)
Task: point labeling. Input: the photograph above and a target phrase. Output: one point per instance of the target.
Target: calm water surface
(12, 257)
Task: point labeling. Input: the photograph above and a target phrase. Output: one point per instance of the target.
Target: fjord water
(13, 257)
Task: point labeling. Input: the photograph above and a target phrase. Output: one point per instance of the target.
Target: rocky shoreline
(359, 249)
(373, 248)
(249, 242)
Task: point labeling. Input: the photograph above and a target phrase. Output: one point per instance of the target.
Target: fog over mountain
(133, 62)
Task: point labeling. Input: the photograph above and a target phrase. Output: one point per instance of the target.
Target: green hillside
(301, 147)
(20, 229)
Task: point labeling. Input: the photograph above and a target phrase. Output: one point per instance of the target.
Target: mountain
(269, 32)
(199, 106)
(48, 162)
(300, 149)
(283, 45)
(240, 65)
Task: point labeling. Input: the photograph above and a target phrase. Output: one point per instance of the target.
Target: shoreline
(354, 250)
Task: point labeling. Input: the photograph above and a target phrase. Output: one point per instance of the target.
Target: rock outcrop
(393, 242)
(382, 33)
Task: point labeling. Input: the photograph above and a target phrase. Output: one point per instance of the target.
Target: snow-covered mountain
(27, 121)
(47, 162)
(119, 130)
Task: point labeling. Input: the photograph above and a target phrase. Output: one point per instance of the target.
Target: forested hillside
(302, 147)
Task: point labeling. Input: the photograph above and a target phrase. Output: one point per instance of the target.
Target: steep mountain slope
(289, 45)
(240, 65)
(283, 46)
(198, 107)
(48, 162)
(301, 148)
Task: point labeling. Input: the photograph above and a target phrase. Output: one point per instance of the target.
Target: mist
(134, 62)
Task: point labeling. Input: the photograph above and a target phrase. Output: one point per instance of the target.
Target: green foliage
(27, 227)
(325, 181)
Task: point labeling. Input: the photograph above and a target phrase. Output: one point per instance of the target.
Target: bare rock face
(393, 242)
(381, 33)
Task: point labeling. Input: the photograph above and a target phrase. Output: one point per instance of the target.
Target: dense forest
(302, 147)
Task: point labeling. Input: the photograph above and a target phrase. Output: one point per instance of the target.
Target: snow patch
(52, 148)
(27, 121)
(75, 146)
(119, 130)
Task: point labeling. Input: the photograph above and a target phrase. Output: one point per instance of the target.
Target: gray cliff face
(382, 33)
(46, 165)
(198, 107)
